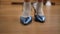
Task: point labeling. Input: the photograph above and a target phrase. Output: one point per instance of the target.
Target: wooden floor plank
(10, 21)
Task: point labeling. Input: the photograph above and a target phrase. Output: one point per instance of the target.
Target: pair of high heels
(28, 20)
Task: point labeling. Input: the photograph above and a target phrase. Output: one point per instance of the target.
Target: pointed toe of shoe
(26, 20)
(40, 18)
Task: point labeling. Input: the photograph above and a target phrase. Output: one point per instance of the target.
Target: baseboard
(21, 3)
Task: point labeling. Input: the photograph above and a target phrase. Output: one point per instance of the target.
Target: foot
(40, 18)
(26, 20)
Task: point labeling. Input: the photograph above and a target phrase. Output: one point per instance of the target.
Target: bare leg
(39, 15)
(40, 7)
(26, 8)
(26, 18)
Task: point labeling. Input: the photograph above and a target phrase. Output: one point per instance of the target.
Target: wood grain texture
(10, 21)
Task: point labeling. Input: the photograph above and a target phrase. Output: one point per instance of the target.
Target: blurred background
(21, 1)
(11, 10)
